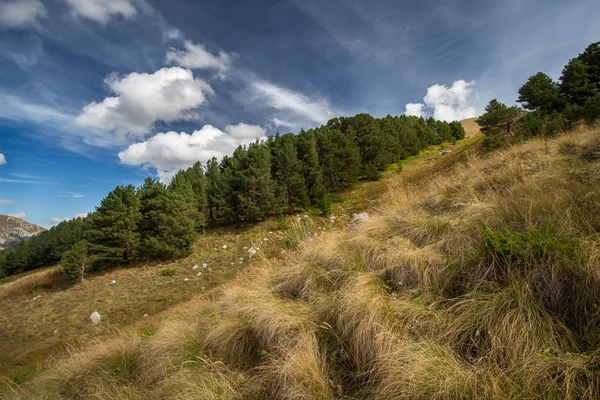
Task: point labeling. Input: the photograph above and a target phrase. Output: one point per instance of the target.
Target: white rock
(283, 251)
(251, 251)
(145, 315)
(199, 274)
(55, 332)
(204, 265)
(195, 267)
(224, 247)
(245, 247)
(113, 282)
(265, 239)
(36, 297)
(270, 233)
(202, 288)
(95, 317)
(186, 279)
(358, 219)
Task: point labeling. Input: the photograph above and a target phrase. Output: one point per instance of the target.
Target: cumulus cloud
(295, 108)
(21, 13)
(195, 56)
(4, 202)
(57, 220)
(20, 215)
(415, 109)
(140, 100)
(171, 151)
(101, 10)
(2, 159)
(446, 103)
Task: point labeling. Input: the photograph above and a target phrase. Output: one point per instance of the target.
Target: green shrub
(168, 272)
(534, 244)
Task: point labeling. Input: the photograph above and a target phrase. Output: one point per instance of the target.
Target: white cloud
(20, 215)
(171, 151)
(4, 202)
(57, 220)
(447, 103)
(295, 108)
(451, 103)
(21, 13)
(195, 56)
(2, 159)
(101, 10)
(71, 195)
(415, 109)
(140, 100)
(6, 180)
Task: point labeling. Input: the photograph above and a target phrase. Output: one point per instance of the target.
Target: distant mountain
(14, 230)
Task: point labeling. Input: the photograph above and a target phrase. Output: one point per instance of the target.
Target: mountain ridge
(14, 230)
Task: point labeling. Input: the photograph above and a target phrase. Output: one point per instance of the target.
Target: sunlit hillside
(467, 282)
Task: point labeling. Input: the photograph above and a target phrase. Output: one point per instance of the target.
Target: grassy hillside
(471, 280)
(34, 331)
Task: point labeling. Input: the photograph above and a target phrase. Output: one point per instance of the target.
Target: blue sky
(97, 93)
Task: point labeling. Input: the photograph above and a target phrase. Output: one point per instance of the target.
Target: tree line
(549, 107)
(284, 174)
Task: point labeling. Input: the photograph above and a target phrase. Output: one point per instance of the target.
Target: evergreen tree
(498, 118)
(287, 172)
(172, 217)
(458, 131)
(214, 189)
(591, 58)
(73, 261)
(114, 236)
(256, 194)
(311, 171)
(575, 84)
(196, 177)
(339, 158)
(540, 93)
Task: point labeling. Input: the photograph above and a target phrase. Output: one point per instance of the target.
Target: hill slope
(14, 230)
(478, 281)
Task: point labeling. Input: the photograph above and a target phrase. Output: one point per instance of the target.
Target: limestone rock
(95, 317)
(112, 283)
(358, 219)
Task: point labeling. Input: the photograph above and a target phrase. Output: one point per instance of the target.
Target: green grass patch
(533, 244)
(168, 272)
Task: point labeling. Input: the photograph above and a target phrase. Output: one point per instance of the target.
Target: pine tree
(257, 189)
(196, 177)
(214, 189)
(113, 235)
(575, 84)
(287, 172)
(311, 171)
(540, 93)
(498, 118)
(591, 58)
(173, 216)
(339, 158)
(73, 261)
(458, 131)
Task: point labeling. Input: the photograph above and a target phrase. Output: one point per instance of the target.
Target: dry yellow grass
(476, 281)
(47, 278)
